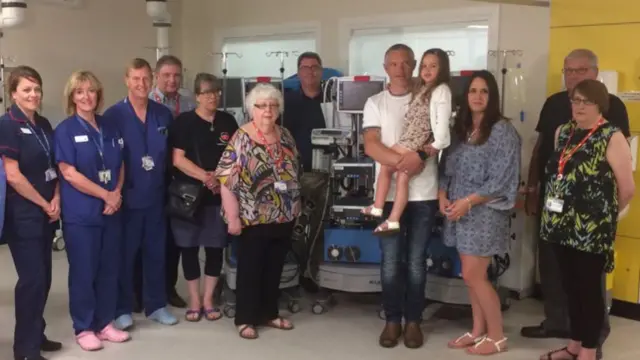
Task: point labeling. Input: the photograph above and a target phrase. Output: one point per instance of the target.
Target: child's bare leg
(401, 198)
(382, 185)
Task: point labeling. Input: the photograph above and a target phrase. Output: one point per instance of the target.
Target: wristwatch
(423, 155)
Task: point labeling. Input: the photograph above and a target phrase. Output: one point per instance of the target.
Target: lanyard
(145, 125)
(565, 156)
(99, 145)
(45, 145)
(277, 161)
(177, 110)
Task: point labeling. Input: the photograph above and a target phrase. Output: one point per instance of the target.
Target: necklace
(471, 135)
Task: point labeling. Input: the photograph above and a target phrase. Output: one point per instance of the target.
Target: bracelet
(532, 189)
(469, 201)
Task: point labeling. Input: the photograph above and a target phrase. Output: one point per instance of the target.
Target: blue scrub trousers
(94, 258)
(144, 230)
(31, 251)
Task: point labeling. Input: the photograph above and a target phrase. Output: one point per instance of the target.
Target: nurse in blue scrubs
(32, 207)
(89, 156)
(143, 125)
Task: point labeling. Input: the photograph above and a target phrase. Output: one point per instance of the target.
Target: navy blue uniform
(28, 229)
(145, 160)
(92, 239)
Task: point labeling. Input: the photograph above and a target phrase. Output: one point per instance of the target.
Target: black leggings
(582, 282)
(191, 262)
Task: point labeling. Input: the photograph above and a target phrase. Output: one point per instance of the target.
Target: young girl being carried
(426, 126)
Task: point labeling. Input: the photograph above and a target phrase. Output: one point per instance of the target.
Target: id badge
(105, 176)
(50, 175)
(281, 186)
(554, 204)
(147, 163)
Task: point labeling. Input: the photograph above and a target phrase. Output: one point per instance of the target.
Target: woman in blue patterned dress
(589, 181)
(478, 184)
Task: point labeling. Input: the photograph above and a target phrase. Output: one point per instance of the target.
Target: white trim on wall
(486, 13)
(266, 31)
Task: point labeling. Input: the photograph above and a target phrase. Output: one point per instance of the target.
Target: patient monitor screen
(352, 95)
(232, 96)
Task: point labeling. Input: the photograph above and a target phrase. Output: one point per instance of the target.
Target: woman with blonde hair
(89, 155)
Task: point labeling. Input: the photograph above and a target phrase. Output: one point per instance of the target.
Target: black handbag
(185, 196)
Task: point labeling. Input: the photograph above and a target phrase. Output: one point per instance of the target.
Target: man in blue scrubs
(143, 125)
(168, 75)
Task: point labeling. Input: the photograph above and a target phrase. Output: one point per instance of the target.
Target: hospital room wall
(102, 36)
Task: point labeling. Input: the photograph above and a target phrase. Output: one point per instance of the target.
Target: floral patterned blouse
(265, 179)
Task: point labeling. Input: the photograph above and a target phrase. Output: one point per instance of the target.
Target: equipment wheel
(59, 244)
(230, 311)
(293, 306)
(318, 309)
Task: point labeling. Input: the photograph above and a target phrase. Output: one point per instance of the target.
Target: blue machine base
(351, 245)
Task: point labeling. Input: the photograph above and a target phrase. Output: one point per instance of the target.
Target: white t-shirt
(387, 112)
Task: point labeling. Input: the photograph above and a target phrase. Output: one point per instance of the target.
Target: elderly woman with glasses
(259, 173)
(198, 139)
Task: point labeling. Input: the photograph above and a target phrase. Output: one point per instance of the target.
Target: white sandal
(372, 211)
(497, 344)
(458, 344)
(387, 228)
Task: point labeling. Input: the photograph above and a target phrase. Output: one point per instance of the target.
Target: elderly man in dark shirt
(579, 65)
(303, 111)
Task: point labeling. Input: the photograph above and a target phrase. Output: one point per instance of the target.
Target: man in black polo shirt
(579, 65)
(303, 111)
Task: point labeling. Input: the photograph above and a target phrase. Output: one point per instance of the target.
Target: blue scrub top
(143, 189)
(77, 144)
(33, 147)
(3, 189)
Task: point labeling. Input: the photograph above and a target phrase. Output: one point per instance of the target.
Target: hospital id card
(280, 186)
(105, 176)
(147, 163)
(50, 174)
(554, 204)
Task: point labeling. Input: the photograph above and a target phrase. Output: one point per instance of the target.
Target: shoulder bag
(185, 195)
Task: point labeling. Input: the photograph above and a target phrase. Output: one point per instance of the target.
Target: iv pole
(501, 60)
(281, 55)
(223, 65)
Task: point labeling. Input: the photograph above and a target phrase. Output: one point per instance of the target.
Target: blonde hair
(75, 81)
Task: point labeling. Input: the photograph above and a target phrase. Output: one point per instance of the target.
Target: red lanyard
(280, 158)
(177, 112)
(564, 156)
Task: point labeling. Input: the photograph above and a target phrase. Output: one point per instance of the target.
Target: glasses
(578, 71)
(577, 101)
(210, 93)
(314, 68)
(269, 106)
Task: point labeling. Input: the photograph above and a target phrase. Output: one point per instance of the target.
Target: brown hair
(137, 64)
(22, 72)
(168, 60)
(443, 76)
(74, 82)
(594, 91)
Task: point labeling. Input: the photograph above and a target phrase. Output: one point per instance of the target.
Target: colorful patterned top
(265, 194)
(588, 220)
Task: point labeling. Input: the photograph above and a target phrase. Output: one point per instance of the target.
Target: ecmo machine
(351, 259)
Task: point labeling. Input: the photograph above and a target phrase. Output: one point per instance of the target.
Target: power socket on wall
(65, 3)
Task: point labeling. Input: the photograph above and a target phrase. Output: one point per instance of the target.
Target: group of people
(123, 181)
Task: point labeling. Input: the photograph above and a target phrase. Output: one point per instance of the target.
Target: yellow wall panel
(590, 12)
(626, 279)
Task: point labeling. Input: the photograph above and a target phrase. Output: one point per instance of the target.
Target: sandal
(464, 341)
(193, 315)
(483, 347)
(387, 228)
(280, 324)
(549, 355)
(212, 314)
(372, 211)
(242, 331)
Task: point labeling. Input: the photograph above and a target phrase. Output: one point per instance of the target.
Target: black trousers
(261, 253)
(581, 278)
(191, 262)
(173, 261)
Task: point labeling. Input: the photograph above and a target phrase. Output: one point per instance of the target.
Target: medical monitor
(353, 92)
(459, 84)
(232, 94)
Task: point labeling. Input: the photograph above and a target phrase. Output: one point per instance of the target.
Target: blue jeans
(404, 262)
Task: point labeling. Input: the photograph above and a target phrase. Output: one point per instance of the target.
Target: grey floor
(348, 331)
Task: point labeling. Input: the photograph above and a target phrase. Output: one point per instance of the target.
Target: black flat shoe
(176, 301)
(50, 346)
(16, 357)
(539, 332)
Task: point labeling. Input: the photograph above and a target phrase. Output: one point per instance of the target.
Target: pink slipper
(111, 334)
(88, 341)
